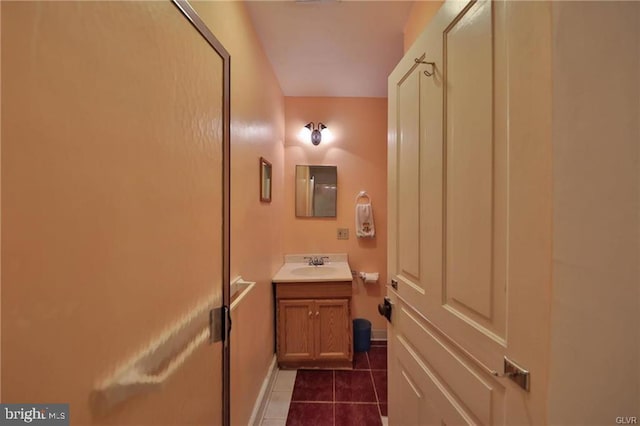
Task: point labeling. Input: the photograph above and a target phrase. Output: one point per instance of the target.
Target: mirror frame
(265, 185)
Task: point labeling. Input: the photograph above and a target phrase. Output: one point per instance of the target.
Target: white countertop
(297, 269)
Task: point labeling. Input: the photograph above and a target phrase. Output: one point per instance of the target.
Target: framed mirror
(316, 191)
(265, 181)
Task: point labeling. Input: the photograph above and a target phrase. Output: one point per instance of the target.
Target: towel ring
(363, 194)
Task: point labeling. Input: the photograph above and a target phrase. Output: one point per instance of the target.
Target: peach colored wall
(596, 282)
(89, 274)
(257, 130)
(419, 16)
(359, 150)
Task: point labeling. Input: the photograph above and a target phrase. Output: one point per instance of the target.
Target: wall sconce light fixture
(316, 133)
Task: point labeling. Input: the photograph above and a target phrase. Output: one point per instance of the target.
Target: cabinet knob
(310, 313)
(317, 313)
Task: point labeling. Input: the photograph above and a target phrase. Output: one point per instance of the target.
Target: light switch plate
(343, 233)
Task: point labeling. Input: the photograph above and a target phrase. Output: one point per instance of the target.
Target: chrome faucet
(316, 261)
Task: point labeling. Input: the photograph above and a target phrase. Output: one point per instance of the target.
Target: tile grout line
(291, 398)
(375, 389)
(334, 397)
(356, 403)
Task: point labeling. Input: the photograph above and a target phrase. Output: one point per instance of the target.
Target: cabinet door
(295, 330)
(332, 329)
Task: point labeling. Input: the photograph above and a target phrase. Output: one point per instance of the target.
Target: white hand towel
(364, 221)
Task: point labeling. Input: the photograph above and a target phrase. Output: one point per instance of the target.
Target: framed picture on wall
(265, 180)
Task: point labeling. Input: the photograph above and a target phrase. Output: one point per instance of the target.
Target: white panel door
(470, 217)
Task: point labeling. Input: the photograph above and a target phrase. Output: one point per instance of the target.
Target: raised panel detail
(469, 160)
(409, 405)
(408, 189)
(295, 329)
(474, 216)
(332, 334)
(422, 377)
(461, 378)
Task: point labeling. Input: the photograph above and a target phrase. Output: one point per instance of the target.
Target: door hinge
(219, 324)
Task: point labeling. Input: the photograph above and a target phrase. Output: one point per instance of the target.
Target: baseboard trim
(379, 334)
(263, 397)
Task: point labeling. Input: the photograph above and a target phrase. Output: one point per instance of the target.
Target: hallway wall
(359, 150)
(257, 130)
(595, 334)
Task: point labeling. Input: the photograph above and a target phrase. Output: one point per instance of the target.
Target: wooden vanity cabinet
(314, 325)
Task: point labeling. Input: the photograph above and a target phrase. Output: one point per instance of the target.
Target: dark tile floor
(342, 397)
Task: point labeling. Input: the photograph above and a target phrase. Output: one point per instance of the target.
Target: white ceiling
(331, 48)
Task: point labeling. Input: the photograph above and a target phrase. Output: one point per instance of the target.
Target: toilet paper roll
(370, 277)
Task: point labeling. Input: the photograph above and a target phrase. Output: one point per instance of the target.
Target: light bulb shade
(316, 134)
(316, 137)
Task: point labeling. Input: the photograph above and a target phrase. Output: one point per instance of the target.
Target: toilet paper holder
(369, 277)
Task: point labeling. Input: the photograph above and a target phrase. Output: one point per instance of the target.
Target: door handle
(385, 308)
(394, 284)
(219, 324)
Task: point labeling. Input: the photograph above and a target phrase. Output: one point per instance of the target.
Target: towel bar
(155, 363)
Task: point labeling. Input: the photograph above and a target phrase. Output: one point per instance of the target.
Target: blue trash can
(361, 335)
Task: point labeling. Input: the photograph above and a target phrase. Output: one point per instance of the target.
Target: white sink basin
(296, 269)
(314, 271)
